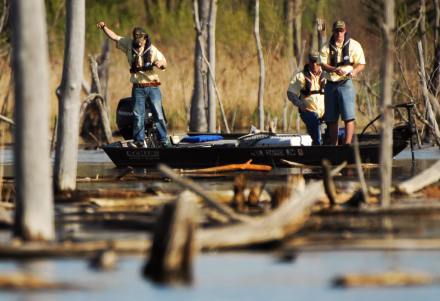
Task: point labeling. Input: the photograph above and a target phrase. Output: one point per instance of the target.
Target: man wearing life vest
(144, 59)
(343, 59)
(306, 91)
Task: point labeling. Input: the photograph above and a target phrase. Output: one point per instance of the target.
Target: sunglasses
(339, 30)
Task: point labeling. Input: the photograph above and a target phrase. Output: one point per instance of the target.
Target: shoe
(141, 144)
(166, 144)
(131, 144)
(137, 144)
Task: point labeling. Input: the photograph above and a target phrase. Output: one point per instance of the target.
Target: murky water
(96, 164)
(238, 276)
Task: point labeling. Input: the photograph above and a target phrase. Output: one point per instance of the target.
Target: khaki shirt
(355, 52)
(125, 44)
(314, 102)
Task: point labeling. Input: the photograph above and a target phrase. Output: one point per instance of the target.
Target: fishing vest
(307, 90)
(146, 58)
(345, 52)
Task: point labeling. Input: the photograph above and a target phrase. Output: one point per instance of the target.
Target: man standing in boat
(343, 58)
(306, 91)
(144, 60)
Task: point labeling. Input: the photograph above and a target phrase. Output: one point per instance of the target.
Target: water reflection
(249, 276)
(44, 270)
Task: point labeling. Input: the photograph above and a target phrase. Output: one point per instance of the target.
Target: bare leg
(349, 131)
(333, 130)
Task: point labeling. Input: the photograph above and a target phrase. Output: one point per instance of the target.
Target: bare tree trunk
(435, 74)
(198, 122)
(5, 14)
(425, 92)
(103, 69)
(297, 39)
(436, 20)
(321, 32)
(262, 67)
(293, 16)
(289, 19)
(34, 215)
(422, 26)
(66, 151)
(208, 66)
(285, 113)
(212, 107)
(386, 146)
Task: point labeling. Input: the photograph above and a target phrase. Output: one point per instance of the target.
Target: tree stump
(239, 197)
(171, 257)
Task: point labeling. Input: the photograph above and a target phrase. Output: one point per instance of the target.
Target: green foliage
(120, 15)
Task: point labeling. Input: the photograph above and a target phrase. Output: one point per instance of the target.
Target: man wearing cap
(306, 91)
(343, 58)
(144, 60)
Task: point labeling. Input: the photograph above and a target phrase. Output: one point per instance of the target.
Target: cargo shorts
(339, 99)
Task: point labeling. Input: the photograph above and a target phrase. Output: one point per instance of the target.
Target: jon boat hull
(200, 156)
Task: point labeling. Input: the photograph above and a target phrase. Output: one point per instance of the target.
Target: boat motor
(124, 121)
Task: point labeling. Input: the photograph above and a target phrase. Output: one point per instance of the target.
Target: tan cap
(339, 25)
(313, 56)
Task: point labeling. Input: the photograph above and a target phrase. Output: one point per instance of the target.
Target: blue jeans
(153, 97)
(312, 123)
(339, 100)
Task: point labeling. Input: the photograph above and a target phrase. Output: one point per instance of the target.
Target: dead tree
(171, 257)
(34, 216)
(425, 92)
(66, 150)
(387, 119)
(212, 101)
(422, 26)
(261, 64)
(320, 28)
(317, 36)
(94, 112)
(4, 16)
(435, 73)
(197, 120)
(294, 9)
(209, 69)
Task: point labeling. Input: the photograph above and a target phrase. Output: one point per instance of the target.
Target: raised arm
(108, 32)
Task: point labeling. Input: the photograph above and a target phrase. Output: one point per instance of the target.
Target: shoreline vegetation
(237, 62)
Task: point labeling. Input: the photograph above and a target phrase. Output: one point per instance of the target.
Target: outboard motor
(124, 121)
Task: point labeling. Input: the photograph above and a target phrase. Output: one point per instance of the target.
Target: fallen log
(295, 164)
(329, 184)
(425, 178)
(32, 250)
(5, 218)
(187, 183)
(85, 195)
(171, 256)
(155, 200)
(322, 244)
(21, 282)
(231, 167)
(385, 279)
(282, 222)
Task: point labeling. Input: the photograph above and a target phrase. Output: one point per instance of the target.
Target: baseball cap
(313, 56)
(339, 25)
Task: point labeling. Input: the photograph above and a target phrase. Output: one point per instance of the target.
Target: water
(235, 276)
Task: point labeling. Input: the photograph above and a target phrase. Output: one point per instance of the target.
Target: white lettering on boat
(275, 153)
(143, 154)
